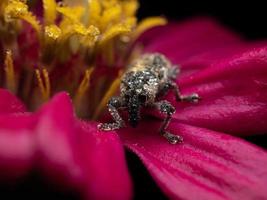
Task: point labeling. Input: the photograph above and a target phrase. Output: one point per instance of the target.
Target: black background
(247, 18)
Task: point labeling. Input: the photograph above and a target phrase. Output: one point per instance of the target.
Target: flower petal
(103, 158)
(207, 165)
(233, 95)
(16, 145)
(66, 151)
(55, 138)
(9, 103)
(75, 153)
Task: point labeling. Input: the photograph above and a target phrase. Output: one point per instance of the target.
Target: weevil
(146, 80)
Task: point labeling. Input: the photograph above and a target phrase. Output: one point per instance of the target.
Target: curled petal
(207, 165)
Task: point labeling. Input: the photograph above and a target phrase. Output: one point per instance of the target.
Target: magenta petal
(207, 165)
(74, 153)
(103, 159)
(9, 103)
(233, 95)
(16, 145)
(55, 139)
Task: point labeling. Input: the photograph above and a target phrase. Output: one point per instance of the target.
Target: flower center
(81, 48)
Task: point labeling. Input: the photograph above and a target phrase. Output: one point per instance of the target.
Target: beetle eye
(142, 98)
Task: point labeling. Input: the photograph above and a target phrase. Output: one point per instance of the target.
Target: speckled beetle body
(147, 79)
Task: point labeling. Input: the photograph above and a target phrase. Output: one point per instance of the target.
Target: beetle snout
(134, 111)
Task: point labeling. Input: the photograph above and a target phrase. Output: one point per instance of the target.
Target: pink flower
(227, 72)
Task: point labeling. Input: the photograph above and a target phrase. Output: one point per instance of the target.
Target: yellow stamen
(50, 13)
(114, 31)
(131, 21)
(83, 87)
(147, 24)
(40, 82)
(44, 84)
(3, 4)
(47, 82)
(110, 16)
(16, 9)
(108, 3)
(71, 13)
(94, 12)
(50, 43)
(10, 74)
(130, 7)
(71, 26)
(74, 3)
(110, 92)
(91, 36)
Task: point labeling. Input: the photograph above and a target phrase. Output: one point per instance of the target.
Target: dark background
(246, 17)
(249, 18)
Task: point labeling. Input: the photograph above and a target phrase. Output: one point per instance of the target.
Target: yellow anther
(52, 32)
(71, 25)
(16, 9)
(92, 34)
(43, 83)
(110, 92)
(93, 31)
(147, 24)
(114, 31)
(88, 36)
(80, 29)
(50, 13)
(9, 71)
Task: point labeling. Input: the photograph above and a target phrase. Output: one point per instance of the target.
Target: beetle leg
(113, 105)
(166, 108)
(194, 98)
(174, 71)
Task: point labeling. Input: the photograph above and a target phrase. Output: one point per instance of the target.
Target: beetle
(147, 79)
